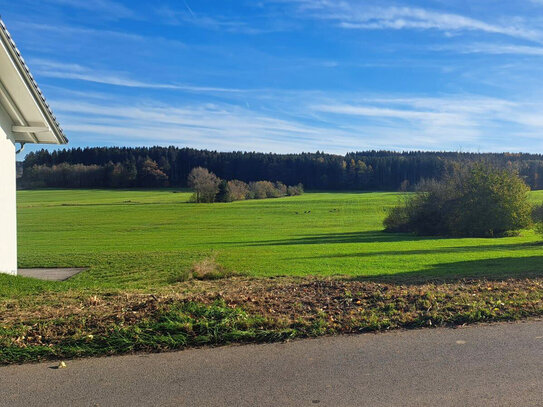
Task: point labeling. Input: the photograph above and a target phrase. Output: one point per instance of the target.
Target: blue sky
(289, 75)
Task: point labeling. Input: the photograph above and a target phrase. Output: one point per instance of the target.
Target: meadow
(139, 239)
(299, 266)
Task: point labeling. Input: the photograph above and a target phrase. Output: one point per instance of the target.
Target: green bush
(480, 201)
(398, 218)
(537, 217)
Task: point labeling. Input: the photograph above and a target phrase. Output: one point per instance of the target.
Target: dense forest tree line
(121, 167)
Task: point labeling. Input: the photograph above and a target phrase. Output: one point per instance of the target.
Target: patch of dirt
(315, 305)
(342, 301)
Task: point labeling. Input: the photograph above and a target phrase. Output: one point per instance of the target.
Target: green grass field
(144, 239)
(139, 247)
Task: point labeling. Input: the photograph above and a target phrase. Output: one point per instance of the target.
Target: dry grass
(301, 306)
(209, 269)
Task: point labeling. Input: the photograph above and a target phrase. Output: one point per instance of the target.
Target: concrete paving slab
(50, 274)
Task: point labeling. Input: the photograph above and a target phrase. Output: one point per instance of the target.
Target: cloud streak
(52, 69)
(219, 23)
(335, 124)
(109, 8)
(226, 127)
(365, 16)
(493, 49)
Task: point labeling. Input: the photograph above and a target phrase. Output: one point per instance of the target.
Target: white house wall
(8, 208)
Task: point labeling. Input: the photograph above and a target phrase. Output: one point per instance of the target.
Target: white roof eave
(34, 121)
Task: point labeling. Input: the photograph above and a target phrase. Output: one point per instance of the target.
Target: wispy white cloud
(382, 112)
(335, 123)
(43, 34)
(375, 16)
(109, 8)
(492, 49)
(187, 15)
(53, 69)
(226, 127)
(465, 121)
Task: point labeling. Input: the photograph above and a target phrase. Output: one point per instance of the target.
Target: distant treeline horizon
(151, 167)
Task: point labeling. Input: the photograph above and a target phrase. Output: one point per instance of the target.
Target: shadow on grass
(436, 250)
(487, 269)
(372, 236)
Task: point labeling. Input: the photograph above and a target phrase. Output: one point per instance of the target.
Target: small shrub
(209, 269)
(263, 190)
(237, 190)
(398, 218)
(295, 190)
(281, 188)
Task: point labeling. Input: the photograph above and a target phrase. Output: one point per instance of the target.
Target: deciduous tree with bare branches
(204, 183)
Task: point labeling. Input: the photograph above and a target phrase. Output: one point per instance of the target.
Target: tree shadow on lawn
(372, 236)
(496, 269)
(376, 236)
(435, 250)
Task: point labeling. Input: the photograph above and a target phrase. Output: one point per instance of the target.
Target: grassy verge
(212, 312)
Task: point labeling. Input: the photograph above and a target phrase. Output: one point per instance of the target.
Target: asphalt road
(494, 365)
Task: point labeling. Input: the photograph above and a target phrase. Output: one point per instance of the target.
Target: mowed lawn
(142, 239)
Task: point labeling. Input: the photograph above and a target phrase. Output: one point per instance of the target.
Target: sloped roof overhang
(33, 120)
